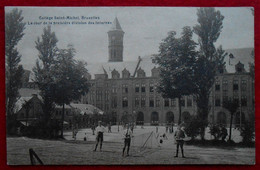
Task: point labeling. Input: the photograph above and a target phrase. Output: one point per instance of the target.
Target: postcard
(130, 85)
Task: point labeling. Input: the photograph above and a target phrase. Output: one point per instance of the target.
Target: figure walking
(127, 139)
(99, 135)
(109, 128)
(93, 129)
(179, 137)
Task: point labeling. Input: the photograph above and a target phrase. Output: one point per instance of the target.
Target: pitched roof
(242, 55)
(116, 25)
(86, 108)
(108, 67)
(21, 101)
(26, 92)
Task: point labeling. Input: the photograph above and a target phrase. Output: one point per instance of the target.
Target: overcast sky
(144, 28)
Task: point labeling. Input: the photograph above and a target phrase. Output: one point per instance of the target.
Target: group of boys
(179, 136)
(127, 135)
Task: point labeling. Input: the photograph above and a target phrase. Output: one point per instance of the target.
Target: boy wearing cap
(179, 136)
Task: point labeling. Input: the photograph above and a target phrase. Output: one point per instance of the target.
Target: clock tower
(115, 42)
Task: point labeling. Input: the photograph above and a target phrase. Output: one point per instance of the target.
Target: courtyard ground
(80, 152)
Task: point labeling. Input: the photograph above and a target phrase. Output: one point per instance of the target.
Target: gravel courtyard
(79, 152)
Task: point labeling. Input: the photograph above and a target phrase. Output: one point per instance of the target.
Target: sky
(144, 27)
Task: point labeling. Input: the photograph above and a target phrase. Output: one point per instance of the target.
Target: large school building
(126, 89)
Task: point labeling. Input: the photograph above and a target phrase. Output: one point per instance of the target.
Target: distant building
(126, 89)
(29, 110)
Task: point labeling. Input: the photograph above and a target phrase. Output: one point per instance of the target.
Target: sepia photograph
(130, 85)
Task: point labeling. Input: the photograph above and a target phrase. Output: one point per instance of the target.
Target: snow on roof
(86, 108)
(244, 55)
(26, 92)
(21, 101)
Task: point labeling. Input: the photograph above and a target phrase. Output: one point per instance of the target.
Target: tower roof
(116, 25)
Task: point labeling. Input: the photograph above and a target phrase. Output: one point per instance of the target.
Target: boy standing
(179, 137)
(99, 135)
(127, 139)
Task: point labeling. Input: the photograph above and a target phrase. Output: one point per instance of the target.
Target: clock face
(113, 37)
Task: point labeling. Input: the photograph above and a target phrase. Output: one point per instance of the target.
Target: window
(217, 101)
(239, 69)
(151, 88)
(114, 102)
(99, 95)
(151, 102)
(125, 88)
(143, 102)
(236, 98)
(189, 102)
(183, 102)
(157, 102)
(225, 98)
(235, 85)
(143, 88)
(125, 102)
(244, 100)
(166, 103)
(114, 89)
(217, 86)
(137, 102)
(137, 88)
(225, 85)
(106, 95)
(244, 84)
(92, 96)
(173, 103)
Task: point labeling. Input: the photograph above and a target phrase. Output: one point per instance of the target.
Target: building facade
(126, 90)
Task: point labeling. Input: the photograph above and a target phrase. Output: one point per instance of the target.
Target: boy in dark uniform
(179, 137)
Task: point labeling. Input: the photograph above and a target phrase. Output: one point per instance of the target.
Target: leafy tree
(215, 131)
(44, 70)
(70, 79)
(14, 28)
(232, 106)
(209, 59)
(248, 133)
(175, 59)
(193, 127)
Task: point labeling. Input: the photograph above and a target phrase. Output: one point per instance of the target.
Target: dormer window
(140, 73)
(155, 72)
(125, 73)
(240, 67)
(115, 74)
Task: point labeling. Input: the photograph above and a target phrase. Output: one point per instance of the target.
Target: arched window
(140, 118)
(154, 118)
(186, 117)
(221, 118)
(169, 117)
